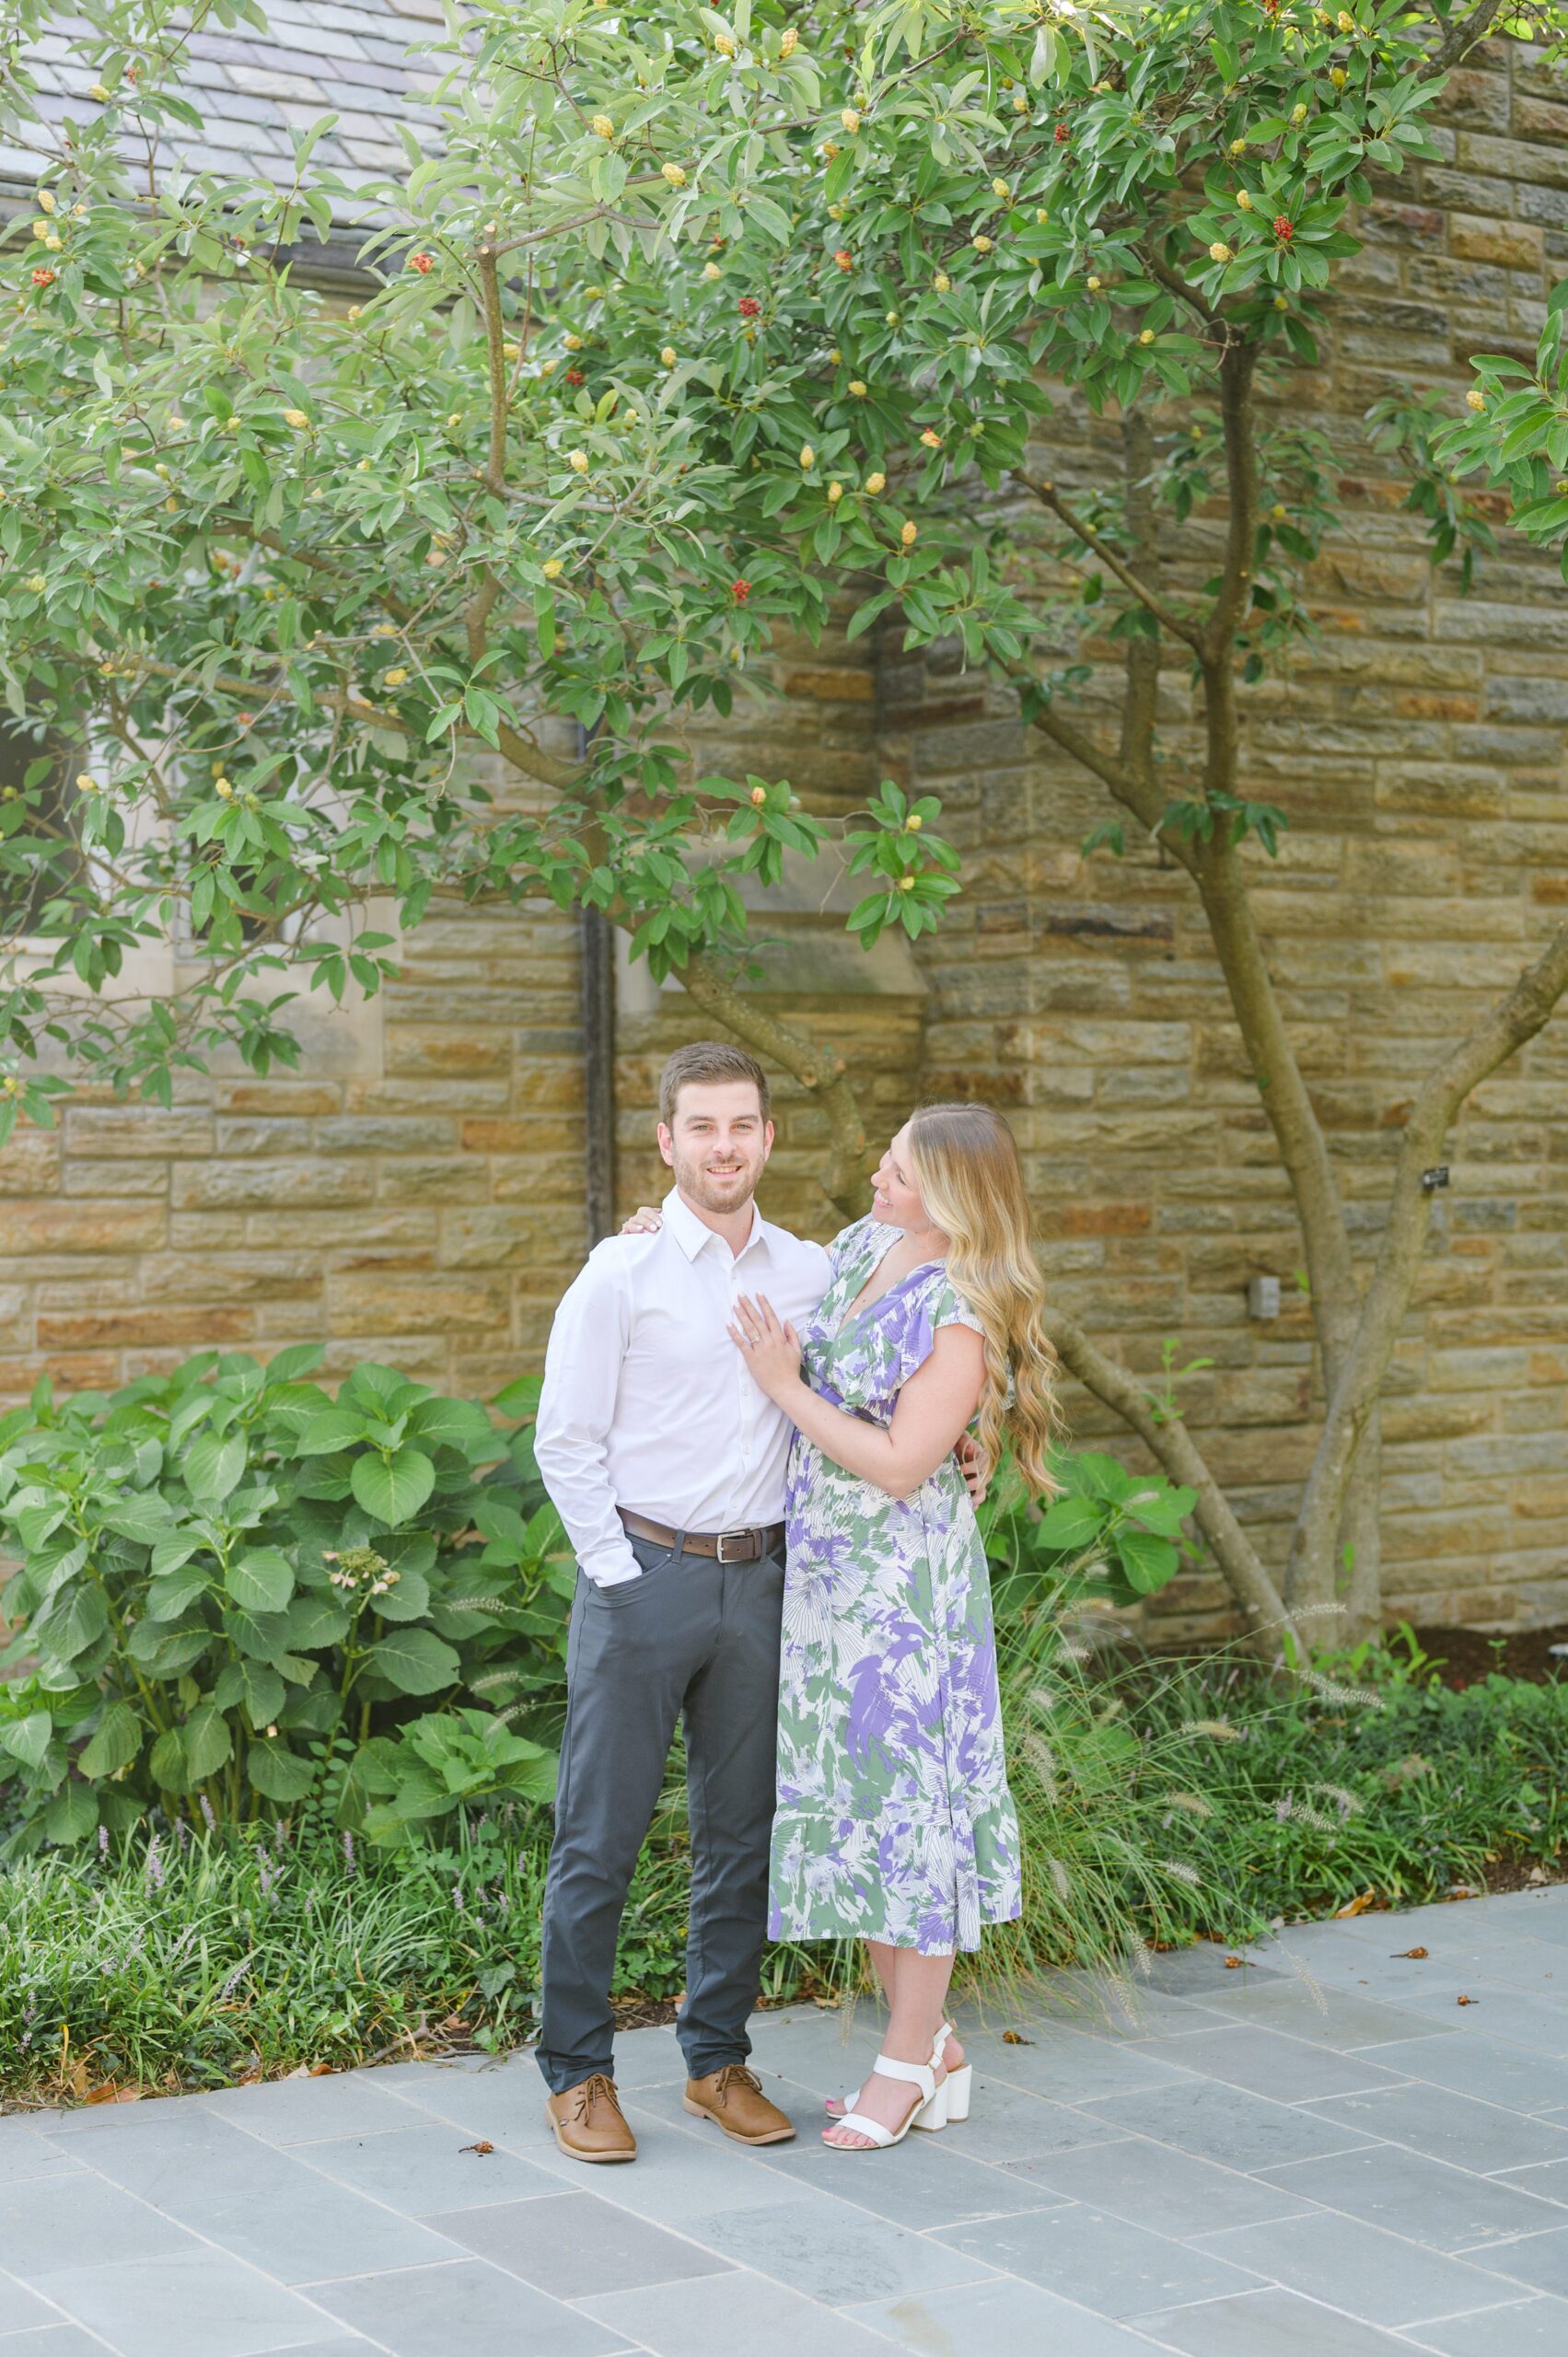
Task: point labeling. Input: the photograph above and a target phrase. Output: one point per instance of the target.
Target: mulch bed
(1463, 1655)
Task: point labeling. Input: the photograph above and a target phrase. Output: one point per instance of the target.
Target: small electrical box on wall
(1263, 1297)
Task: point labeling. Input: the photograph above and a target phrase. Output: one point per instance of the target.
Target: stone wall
(1418, 747)
(416, 1192)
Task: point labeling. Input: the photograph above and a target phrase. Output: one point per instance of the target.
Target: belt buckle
(725, 1534)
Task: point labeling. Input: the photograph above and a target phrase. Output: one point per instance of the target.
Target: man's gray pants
(695, 1638)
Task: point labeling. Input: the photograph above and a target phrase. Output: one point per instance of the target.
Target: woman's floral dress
(894, 1818)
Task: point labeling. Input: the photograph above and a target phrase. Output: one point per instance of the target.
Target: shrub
(240, 1593)
(1110, 1537)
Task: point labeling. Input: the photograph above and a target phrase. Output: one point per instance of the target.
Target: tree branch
(1049, 496)
(1463, 35)
(1270, 1626)
(1501, 1033)
(1139, 707)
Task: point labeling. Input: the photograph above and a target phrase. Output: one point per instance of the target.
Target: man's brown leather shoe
(734, 2100)
(588, 2123)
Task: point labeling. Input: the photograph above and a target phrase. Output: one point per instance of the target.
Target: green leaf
(457, 1423)
(141, 1518)
(116, 1743)
(261, 1690)
(414, 1661)
(28, 1739)
(76, 1618)
(1149, 1561)
(72, 1815)
(325, 1434)
(168, 1599)
(316, 1620)
(165, 1763)
(1070, 1522)
(208, 1742)
(280, 1774)
(393, 1487)
(171, 1552)
(213, 1464)
(262, 1581)
(260, 1634)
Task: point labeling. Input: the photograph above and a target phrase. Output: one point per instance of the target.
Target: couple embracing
(759, 1450)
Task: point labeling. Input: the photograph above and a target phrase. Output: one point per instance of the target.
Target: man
(666, 1464)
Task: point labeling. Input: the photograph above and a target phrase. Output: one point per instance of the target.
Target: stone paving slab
(1315, 2152)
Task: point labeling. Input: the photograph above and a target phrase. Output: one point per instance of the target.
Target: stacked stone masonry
(415, 1194)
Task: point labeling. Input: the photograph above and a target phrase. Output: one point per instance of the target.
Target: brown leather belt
(747, 1546)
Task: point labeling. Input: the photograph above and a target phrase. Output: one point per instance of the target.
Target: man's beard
(717, 1190)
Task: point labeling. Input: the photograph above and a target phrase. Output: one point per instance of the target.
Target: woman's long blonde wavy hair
(964, 1159)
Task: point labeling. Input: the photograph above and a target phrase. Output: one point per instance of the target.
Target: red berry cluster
(750, 306)
(1284, 228)
(421, 262)
(741, 591)
(844, 259)
(43, 278)
(574, 376)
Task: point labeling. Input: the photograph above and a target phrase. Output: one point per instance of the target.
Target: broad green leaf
(168, 1599)
(208, 1742)
(1149, 1561)
(415, 1661)
(167, 1764)
(76, 1618)
(334, 1428)
(171, 1552)
(394, 1489)
(262, 1635)
(262, 1581)
(116, 1743)
(213, 1464)
(1070, 1522)
(72, 1815)
(316, 1620)
(261, 1690)
(28, 1739)
(281, 1775)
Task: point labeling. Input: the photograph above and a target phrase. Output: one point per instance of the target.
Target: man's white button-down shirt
(648, 1404)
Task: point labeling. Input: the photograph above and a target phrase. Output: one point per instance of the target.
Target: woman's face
(896, 1198)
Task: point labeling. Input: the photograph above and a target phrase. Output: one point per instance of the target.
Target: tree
(1156, 227)
(275, 570)
(693, 316)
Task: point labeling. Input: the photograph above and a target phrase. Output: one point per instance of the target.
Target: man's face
(719, 1143)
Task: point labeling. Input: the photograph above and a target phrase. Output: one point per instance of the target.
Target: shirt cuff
(612, 1568)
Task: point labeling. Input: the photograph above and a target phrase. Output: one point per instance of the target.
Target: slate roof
(343, 57)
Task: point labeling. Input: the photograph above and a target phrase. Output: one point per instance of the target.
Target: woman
(894, 1821)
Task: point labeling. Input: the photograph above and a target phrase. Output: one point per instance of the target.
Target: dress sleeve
(949, 1308)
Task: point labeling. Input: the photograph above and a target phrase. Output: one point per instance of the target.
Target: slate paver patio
(1316, 2153)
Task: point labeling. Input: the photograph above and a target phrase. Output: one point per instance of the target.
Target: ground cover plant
(1159, 1803)
(240, 1595)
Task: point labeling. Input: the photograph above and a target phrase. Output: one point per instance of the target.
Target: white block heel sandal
(930, 2112)
(956, 2084)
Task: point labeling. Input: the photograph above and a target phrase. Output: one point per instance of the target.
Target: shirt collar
(693, 1233)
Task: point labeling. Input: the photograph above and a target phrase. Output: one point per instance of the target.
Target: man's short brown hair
(708, 1061)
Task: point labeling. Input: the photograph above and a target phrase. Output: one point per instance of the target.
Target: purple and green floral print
(894, 1818)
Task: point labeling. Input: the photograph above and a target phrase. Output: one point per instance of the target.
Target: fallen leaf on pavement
(476, 2148)
(1399, 1952)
